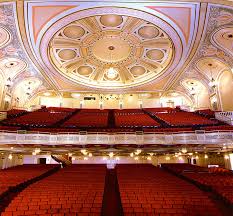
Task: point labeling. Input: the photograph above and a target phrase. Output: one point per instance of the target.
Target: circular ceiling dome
(111, 20)
(148, 32)
(155, 54)
(74, 32)
(110, 52)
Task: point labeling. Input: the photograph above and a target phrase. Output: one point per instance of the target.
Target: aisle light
(167, 158)
(90, 154)
(131, 154)
(85, 158)
(226, 157)
(104, 158)
(117, 158)
(136, 158)
(149, 158)
(206, 156)
(197, 157)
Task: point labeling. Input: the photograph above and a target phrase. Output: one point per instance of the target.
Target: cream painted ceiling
(86, 49)
(154, 46)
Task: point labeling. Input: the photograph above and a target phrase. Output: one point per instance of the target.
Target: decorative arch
(225, 90)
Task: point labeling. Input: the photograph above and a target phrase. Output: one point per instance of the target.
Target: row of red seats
(206, 112)
(37, 118)
(132, 118)
(74, 190)
(184, 167)
(147, 190)
(218, 128)
(184, 119)
(15, 112)
(88, 118)
(219, 181)
(15, 176)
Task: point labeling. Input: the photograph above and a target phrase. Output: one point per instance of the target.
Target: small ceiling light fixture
(149, 158)
(212, 82)
(131, 154)
(111, 72)
(83, 151)
(90, 155)
(138, 151)
(10, 157)
(136, 158)
(206, 156)
(9, 82)
(111, 154)
(117, 158)
(197, 157)
(167, 158)
(184, 150)
(192, 91)
(226, 157)
(85, 158)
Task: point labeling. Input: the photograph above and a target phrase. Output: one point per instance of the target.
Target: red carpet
(111, 200)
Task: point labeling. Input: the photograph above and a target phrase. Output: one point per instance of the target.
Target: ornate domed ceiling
(111, 51)
(125, 47)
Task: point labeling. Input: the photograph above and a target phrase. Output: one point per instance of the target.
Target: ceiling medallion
(111, 51)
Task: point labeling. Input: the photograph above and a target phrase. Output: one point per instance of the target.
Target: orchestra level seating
(146, 190)
(76, 189)
(218, 180)
(92, 190)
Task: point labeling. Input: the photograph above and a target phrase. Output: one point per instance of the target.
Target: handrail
(190, 137)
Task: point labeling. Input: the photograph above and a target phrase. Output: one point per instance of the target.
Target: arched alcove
(225, 88)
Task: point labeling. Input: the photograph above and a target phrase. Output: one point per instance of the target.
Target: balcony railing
(82, 138)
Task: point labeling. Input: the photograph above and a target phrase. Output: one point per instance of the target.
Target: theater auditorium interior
(116, 108)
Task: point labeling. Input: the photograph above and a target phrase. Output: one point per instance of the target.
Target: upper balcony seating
(133, 118)
(218, 128)
(184, 119)
(18, 175)
(88, 118)
(39, 118)
(74, 190)
(57, 119)
(218, 180)
(147, 190)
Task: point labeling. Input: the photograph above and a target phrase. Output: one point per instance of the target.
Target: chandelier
(111, 73)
